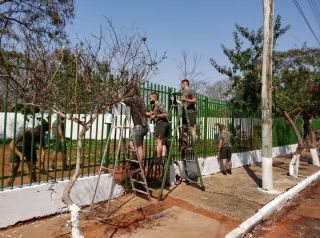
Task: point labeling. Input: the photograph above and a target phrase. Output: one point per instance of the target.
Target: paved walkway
(186, 212)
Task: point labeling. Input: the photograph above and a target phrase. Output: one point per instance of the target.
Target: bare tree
(219, 90)
(189, 71)
(88, 78)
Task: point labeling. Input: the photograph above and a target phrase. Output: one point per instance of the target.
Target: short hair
(186, 81)
(221, 126)
(155, 94)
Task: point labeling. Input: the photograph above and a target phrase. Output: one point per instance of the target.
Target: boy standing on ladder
(138, 113)
(159, 115)
(188, 97)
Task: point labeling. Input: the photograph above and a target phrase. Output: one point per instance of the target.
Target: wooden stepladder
(134, 166)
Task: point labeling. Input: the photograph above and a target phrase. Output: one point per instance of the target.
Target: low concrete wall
(22, 204)
(210, 165)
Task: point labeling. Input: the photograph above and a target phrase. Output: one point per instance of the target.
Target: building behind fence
(246, 135)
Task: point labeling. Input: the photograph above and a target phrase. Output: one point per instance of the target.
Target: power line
(315, 11)
(305, 19)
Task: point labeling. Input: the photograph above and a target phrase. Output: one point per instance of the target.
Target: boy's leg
(194, 133)
(53, 159)
(192, 122)
(140, 153)
(159, 147)
(164, 147)
(33, 171)
(64, 155)
(16, 166)
(32, 160)
(229, 161)
(224, 159)
(184, 138)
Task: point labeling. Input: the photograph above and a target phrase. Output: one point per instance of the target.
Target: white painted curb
(269, 208)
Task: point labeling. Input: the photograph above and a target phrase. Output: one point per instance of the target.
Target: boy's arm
(16, 150)
(60, 131)
(219, 147)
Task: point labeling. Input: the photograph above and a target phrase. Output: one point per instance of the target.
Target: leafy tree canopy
(246, 65)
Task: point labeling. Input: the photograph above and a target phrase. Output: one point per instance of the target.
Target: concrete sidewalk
(186, 211)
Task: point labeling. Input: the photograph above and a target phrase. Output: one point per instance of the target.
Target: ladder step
(134, 171)
(190, 161)
(140, 191)
(132, 161)
(190, 170)
(192, 181)
(153, 190)
(120, 127)
(137, 181)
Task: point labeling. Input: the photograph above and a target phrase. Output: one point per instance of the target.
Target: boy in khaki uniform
(224, 149)
(159, 115)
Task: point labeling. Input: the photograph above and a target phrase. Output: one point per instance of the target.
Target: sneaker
(224, 172)
(229, 171)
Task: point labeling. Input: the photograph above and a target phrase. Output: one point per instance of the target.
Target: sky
(198, 27)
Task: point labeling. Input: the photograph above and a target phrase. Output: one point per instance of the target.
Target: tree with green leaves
(246, 65)
(297, 89)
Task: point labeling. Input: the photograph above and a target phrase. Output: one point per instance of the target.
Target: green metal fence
(20, 126)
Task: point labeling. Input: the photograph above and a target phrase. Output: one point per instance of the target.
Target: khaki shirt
(225, 138)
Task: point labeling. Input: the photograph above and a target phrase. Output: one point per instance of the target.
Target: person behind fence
(24, 148)
(59, 144)
(138, 112)
(159, 115)
(224, 149)
(317, 134)
(189, 98)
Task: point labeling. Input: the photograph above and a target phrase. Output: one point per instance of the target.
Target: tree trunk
(309, 135)
(296, 132)
(294, 163)
(66, 192)
(85, 127)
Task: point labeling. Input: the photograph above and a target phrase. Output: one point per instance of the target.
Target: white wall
(210, 165)
(29, 202)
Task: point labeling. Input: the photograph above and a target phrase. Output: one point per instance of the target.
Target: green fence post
(205, 126)
(4, 135)
(33, 151)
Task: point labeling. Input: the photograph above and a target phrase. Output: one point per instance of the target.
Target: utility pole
(266, 96)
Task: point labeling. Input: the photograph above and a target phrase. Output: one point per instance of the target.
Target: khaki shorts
(162, 130)
(192, 118)
(138, 133)
(225, 153)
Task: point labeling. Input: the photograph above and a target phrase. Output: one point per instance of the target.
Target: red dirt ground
(300, 218)
(93, 226)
